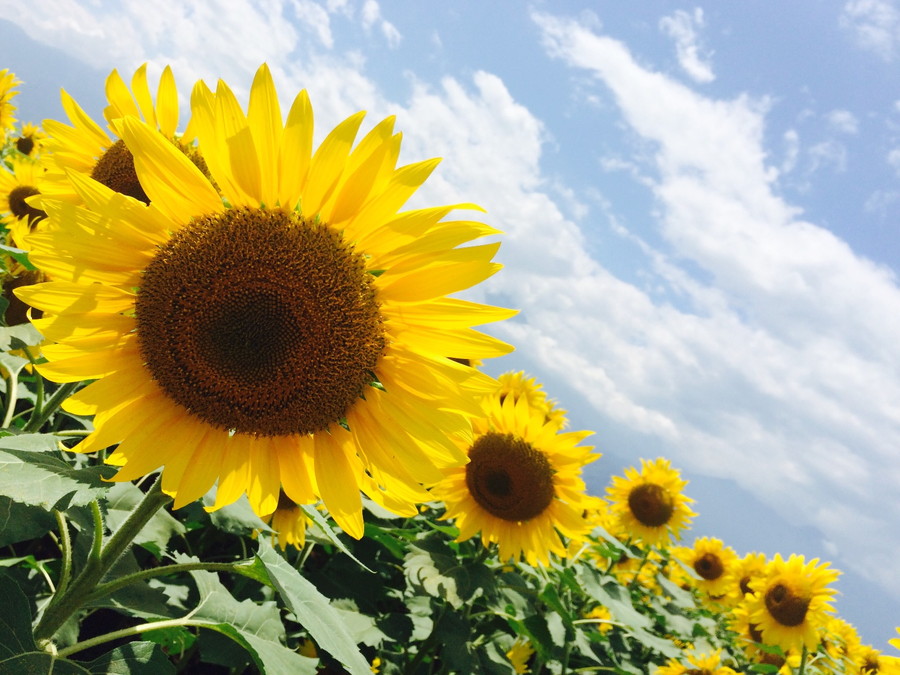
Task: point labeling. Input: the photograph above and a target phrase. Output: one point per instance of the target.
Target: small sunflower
(697, 664)
(742, 572)
(650, 504)
(86, 148)
(871, 661)
(290, 335)
(603, 618)
(791, 601)
(518, 385)
(19, 216)
(520, 654)
(522, 487)
(30, 141)
(750, 639)
(289, 522)
(712, 561)
(841, 642)
(8, 91)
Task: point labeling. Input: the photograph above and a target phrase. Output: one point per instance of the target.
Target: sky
(700, 204)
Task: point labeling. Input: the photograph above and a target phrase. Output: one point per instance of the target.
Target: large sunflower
(791, 601)
(86, 147)
(291, 334)
(650, 503)
(8, 84)
(522, 487)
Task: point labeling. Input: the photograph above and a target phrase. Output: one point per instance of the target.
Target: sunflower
(289, 335)
(711, 561)
(841, 642)
(697, 664)
(750, 639)
(30, 141)
(86, 148)
(289, 522)
(650, 504)
(519, 655)
(791, 601)
(742, 572)
(871, 661)
(519, 385)
(8, 84)
(522, 487)
(19, 216)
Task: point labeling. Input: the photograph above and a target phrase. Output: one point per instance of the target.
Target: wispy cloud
(875, 25)
(683, 27)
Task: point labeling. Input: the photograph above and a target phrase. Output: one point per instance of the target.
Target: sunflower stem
(803, 661)
(128, 632)
(12, 391)
(65, 548)
(42, 414)
(100, 560)
(103, 590)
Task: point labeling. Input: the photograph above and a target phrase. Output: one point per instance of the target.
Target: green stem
(803, 661)
(128, 632)
(111, 587)
(65, 548)
(12, 395)
(43, 413)
(99, 562)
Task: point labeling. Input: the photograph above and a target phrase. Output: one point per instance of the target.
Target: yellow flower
(705, 663)
(871, 661)
(895, 642)
(8, 84)
(519, 655)
(289, 522)
(741, 573)
(16, 186)
(522, 487)
(290, 335)
(518, 385)
(650, 504)
(85, 147)
(30, 141)
(711, 560)
(791, 601)
(602, 616)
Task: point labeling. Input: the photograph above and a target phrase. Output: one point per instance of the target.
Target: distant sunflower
(19, 217)
(8, 91)
(289, 522)
(791, 601)
(519, 385)
(871, 661)
(697, 664)
(291, 335)
(841, 642)
(30, 140)
(522, 487)
(85, 147)
(742, 572)
(650, 504)
(712, 561)
(519, 655)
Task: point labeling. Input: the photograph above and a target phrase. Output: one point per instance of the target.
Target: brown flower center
(744, 584)
(115, 169)
(709, 566)
(22, 209)
(786, 607)
(651, 504)
(509, 478)
(25, 144)
(261, 322)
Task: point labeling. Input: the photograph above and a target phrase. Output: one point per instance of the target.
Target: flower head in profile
(650, 503)
(791, 601)
(522, 487)
(85, 147)
(8, 91)
(519, 385)
(288, 521)
(288, 333)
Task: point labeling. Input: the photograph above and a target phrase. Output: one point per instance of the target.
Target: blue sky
(700, 204)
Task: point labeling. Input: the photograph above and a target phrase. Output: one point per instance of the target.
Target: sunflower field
(246, 428)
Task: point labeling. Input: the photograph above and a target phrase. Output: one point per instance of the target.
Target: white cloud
(875, 24)
(683, 27)
(371, 16)
(843, 121)
(782, 374)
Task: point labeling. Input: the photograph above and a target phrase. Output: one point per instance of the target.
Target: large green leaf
(313, 611)
(121, 500)
(19, 522)
(15, 619)
(40, 663)
(40, 479)
(134, 658)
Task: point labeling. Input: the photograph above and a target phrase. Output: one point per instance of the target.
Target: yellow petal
(64, 297)
(296, 151)
(167, 104)
(328, 164)
(264, 117)
(336, 479)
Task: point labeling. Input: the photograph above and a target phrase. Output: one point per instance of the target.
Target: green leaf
(254, 569)
(134, 658)
(19, 255)
(19, 522)
(236, 518)
(121, 500)
(15, 619)
(40, 479)
(313, 611)
(16, 337)
(328, 532)
(40, 663)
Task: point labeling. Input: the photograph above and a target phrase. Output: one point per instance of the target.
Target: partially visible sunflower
(289, 336)
(289, 522)
(841, 642)
(30, 141)
(85, 147)
(871, 661)
(19, 217)
(8, 91)
(791, 601)
(522, 487)
(602, 617)
(895, 642)
(518, 385)
(650, 504)
(742, 572)
(697, 664)
(519, 655)
(750, 639)
(712, 561)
